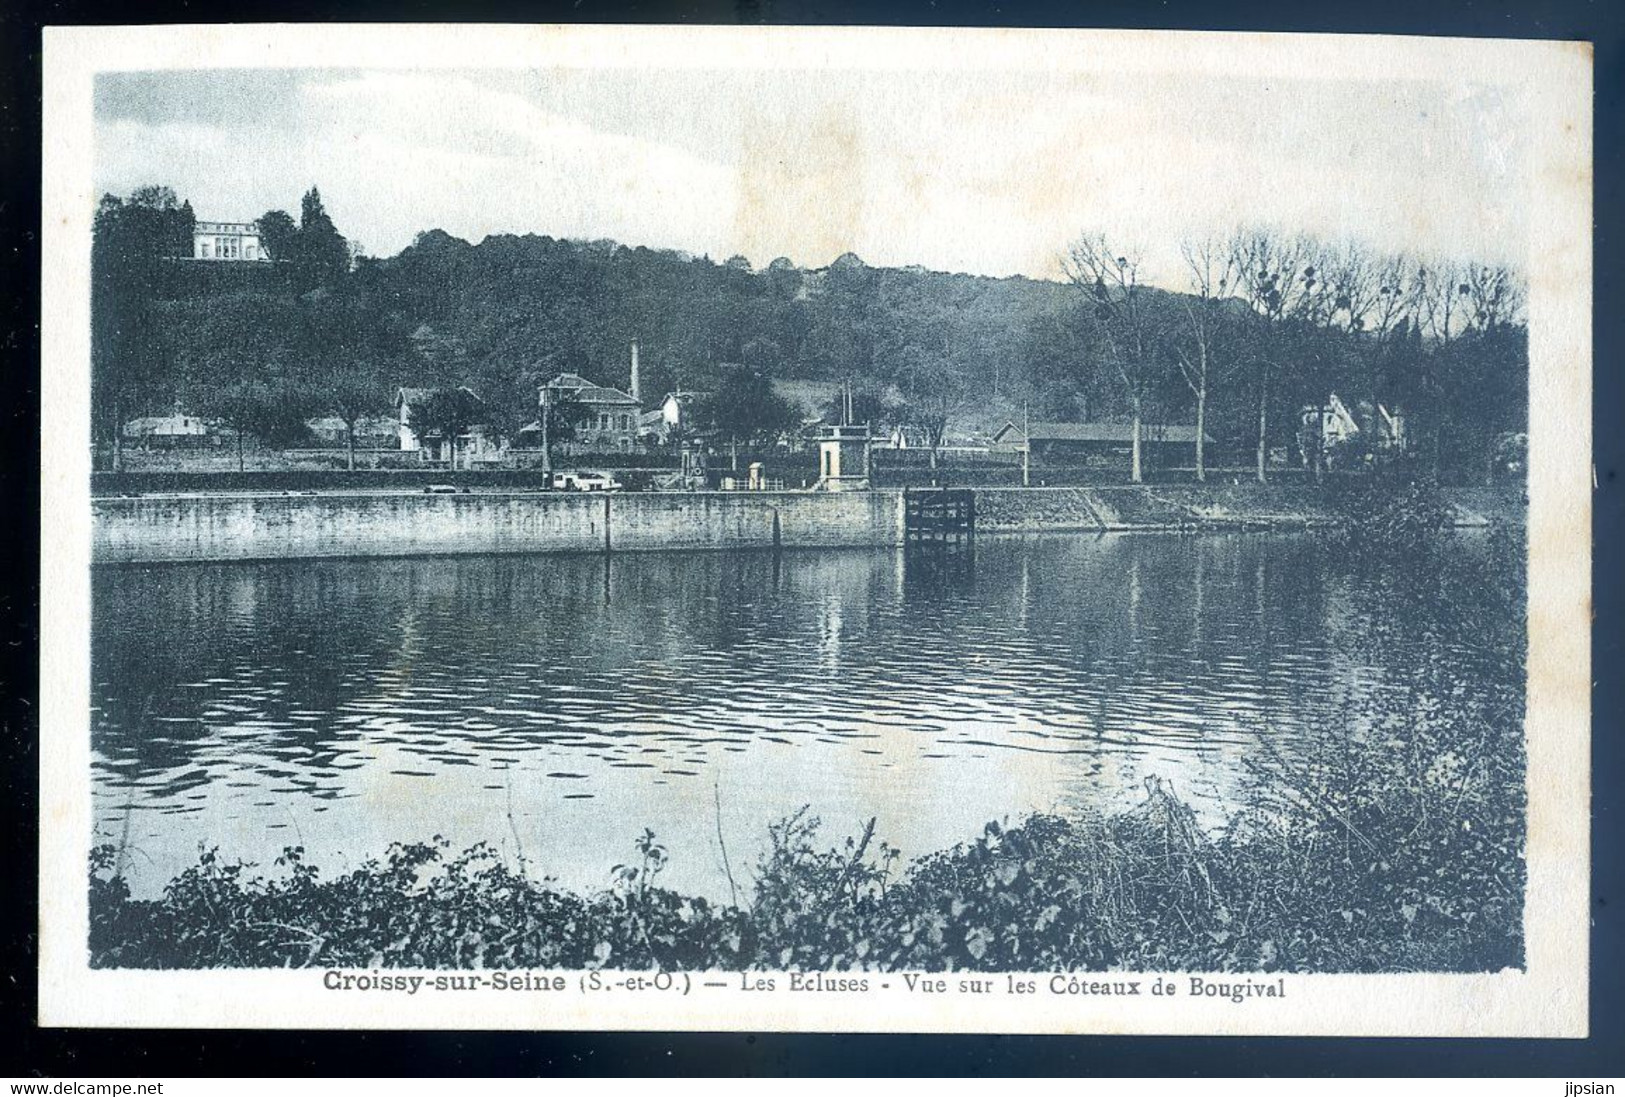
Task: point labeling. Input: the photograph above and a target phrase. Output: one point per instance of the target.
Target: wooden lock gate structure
(939, 517)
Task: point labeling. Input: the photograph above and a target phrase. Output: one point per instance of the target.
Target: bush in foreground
(1146, 889)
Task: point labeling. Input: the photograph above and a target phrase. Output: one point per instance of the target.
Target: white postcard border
(1548, 999)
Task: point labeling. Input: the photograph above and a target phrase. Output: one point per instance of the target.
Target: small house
(676, 414)
(178, 431)
(1333, 425)
(844, 459)
(477, 443)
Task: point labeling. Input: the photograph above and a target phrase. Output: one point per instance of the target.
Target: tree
(1392, 318)
(932, 393)
(1054, 345)
(1337, 289)
(840, 340)
(1365, 334)
(560, 419)
(273, 411)
(1268, 267)
(1477, 344)
(745, 410)
(351, 354)
(865, 406)
(942, 340)
(508, 392)
(215, 342)
(763, 355)
(352, 394)
(1119, 310)
(449, 412)
(321, 256)
(131, 240)
(1441, 292)
(1212, 277)
(278, 234)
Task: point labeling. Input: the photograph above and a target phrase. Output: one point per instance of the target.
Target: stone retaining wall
(155, 529)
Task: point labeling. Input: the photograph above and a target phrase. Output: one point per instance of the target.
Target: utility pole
(1026, 444)
(547, 448)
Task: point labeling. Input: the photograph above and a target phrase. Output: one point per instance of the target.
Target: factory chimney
(636, 386)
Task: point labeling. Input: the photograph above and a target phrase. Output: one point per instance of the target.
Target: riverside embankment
(1196, 507)
(172, 528)
(165, 528)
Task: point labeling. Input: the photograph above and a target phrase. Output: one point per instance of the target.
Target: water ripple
(1057, 673)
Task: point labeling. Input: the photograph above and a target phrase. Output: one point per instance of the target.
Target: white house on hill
(228, 240)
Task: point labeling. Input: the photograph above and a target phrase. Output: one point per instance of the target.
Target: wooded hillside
(1282, 323)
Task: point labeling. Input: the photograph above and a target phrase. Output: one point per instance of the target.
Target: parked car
(584, 480)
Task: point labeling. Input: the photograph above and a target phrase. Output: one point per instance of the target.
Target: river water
(556, 706)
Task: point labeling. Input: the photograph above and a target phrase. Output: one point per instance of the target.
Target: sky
(984, 172)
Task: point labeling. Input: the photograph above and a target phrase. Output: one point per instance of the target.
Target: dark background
(26, 1050)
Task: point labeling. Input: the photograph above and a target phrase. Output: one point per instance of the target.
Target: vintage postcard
(815, 529)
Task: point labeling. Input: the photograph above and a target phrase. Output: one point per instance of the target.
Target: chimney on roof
(636, 394)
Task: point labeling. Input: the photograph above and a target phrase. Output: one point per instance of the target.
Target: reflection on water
(561, 704)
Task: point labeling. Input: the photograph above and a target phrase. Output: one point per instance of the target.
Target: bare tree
(1494, 296)
(1392, 311)
(1269, 269)
(1394, 302)
(1453, 302)
(1338, 294)
(1118, 307)
(933, 392)
(1352, 277)
(1212, 270)
(1463, 309)
(1440, 291)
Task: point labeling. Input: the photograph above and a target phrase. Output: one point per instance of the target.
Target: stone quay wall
(173, 528)
(165, 529)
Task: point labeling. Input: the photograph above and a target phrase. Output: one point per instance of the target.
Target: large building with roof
(610, 419)
(228, 240)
